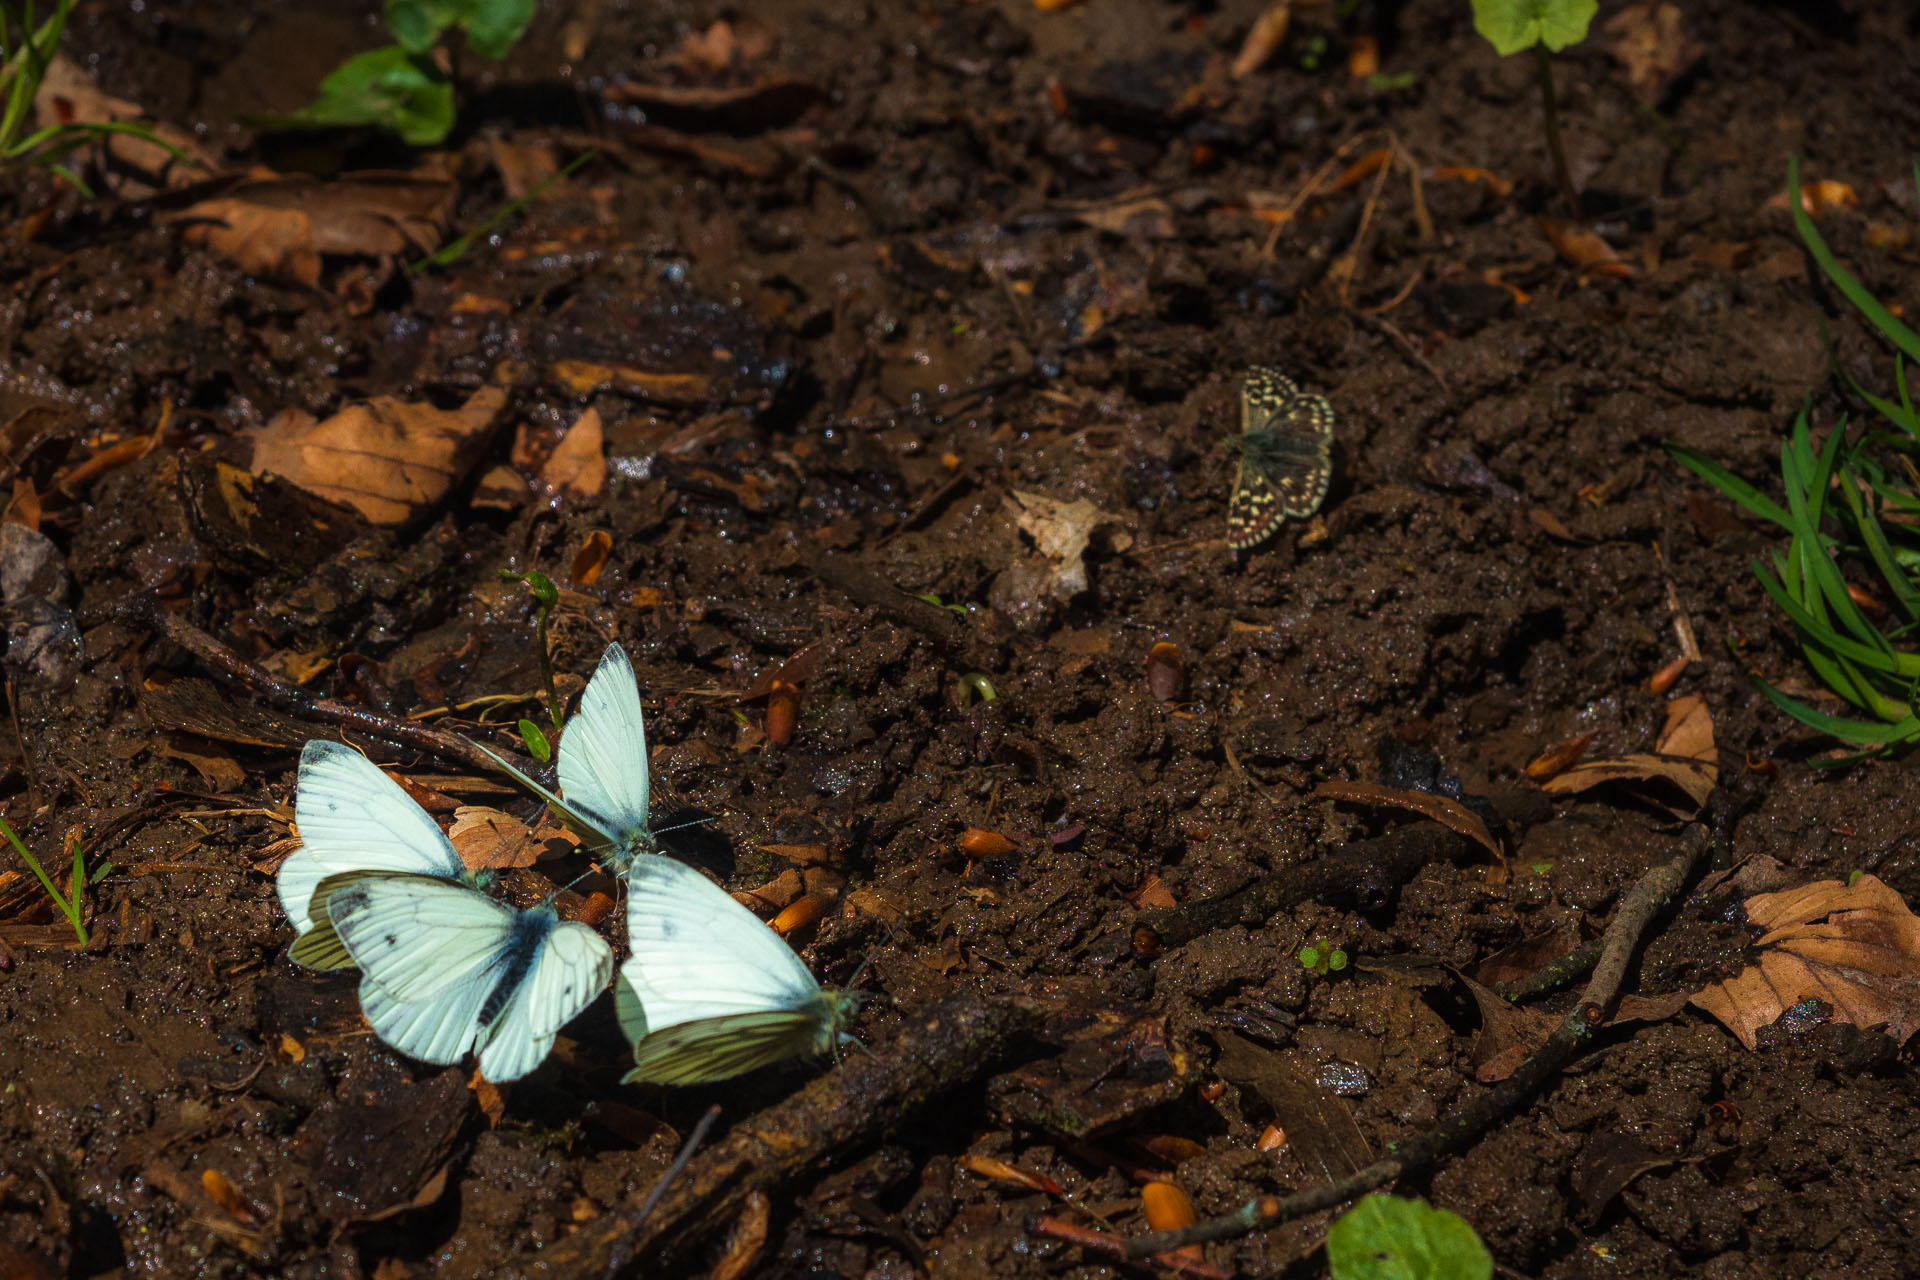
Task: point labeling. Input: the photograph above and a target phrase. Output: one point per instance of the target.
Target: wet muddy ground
(845, 295)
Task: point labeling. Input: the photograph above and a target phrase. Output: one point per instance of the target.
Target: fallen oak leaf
(391, 460)
(1855, 947)
(279, 226)
(577, 467)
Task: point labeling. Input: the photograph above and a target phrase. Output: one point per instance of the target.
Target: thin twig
(146, 611)
(1045, 1224)
(622, 1252)
(1655, 891)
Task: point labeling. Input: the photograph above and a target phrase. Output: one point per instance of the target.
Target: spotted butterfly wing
(1286, 457)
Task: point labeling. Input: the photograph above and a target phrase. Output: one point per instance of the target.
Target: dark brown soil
(928, 306)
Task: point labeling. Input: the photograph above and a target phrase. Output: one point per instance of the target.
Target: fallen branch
(1655, 891)
(146, 611)
(943, 1047)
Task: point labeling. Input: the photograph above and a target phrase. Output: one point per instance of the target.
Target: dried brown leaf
(68, 95)
(577, 467)
(1447, 812)
(1000, 1171)
(1686, 762)
(279, 226)
(1263, 38)
(491, 840)
(389, 459)
(1651, 43)
(1582, 247)
(1854, 946)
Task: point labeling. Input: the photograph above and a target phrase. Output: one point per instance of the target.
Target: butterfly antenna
(682, 826)
(624, 1250)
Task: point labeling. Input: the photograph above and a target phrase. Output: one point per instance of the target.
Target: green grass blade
(1906, 666)
(1730, 484)
(71, 910)
(1901, 732)
(1878, 316)
(1874, 539)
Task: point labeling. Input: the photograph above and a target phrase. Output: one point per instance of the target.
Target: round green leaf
(1387, 1238)
(388, 87)
(1512, 25)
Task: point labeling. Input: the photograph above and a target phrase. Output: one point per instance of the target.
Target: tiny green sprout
(1323, 957)
(933, 598)
(69, 903)
(546, 598)
(1854, 876)
(1311, 56)
(1382, 82)
(537, 744)
(1540, 868)
(1546, 27)
(973, 683)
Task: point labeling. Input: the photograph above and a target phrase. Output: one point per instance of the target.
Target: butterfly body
(1286, 457)
(710, 991)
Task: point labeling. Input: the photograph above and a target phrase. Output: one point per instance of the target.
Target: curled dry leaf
(1818, 197)
(1061, 531)
(1651, 43)
(491, 840)
(1557, 760)
(1855, 947)
(591, 559)
(1000, 1171)
(135, 166)
(1449, 813)
(1580, 246)
(279, 226)
(1263, 38)
(389, 459)
(1684, 761)
(577, 467)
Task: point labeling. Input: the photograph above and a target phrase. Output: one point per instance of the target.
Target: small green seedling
(975, 682)
(1546, 27)
(25, 53)
(457, 248)
(538, 745)
(1388, 1238)
(407, 88)
(546, 598)
(933, 598)
(69, 902)
(1323, 957)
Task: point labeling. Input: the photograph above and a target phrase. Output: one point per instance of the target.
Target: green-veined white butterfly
(711, 991)
(352, 817)
(447, 969)
(604, 797)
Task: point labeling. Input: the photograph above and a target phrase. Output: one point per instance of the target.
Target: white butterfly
(710, 991)
(352, 817)
(604, 796)
(448, 970)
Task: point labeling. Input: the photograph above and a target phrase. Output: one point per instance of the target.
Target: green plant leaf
(493, 27)
(1387, 1238)
(1905, 730)
(537, 745)
(400, 92)
(1513, 25)
(1885, 321)
(1730, 484)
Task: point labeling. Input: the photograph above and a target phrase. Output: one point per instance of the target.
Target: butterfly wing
(704, 962)
(603, 753)
(1286, 457)
(718, 1048)
(570, 968)
(352, 817)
